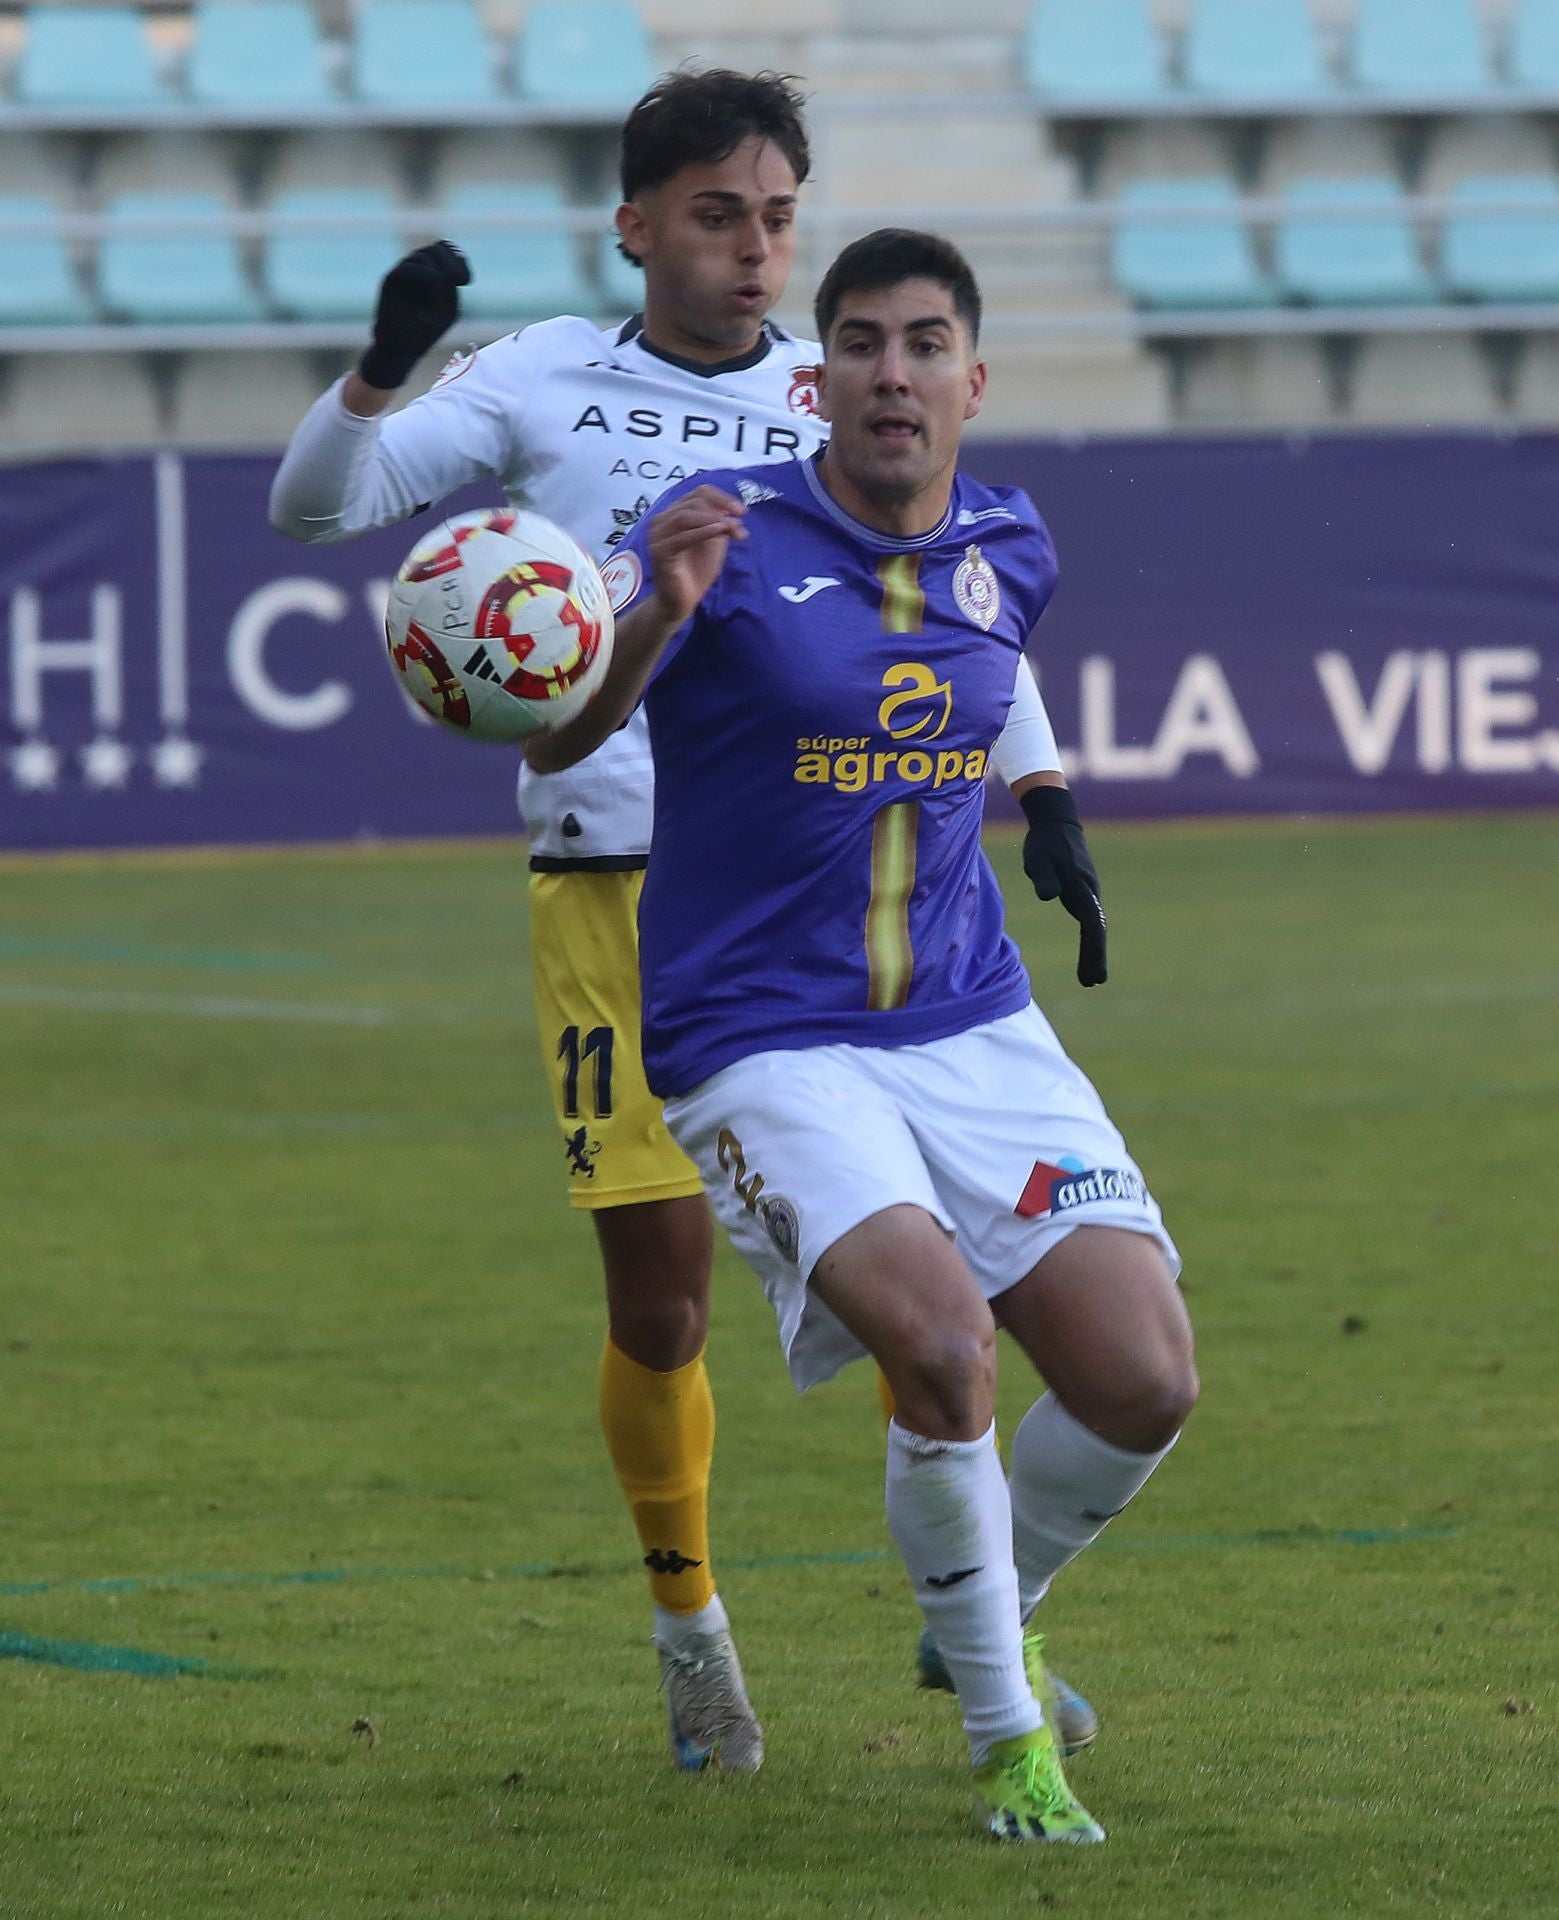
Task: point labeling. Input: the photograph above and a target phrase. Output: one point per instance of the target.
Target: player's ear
(632, 230)
(976, 389)
(822, 391)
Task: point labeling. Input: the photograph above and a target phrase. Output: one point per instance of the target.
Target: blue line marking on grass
(758, 1563)
(86, 1656)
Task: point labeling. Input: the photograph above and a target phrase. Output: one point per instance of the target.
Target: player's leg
(862, 1262)
(653, 1228)
(900, 1286)
(1102, 1318)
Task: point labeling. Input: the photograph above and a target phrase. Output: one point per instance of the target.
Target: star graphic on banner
(176, 762)
(35, 766)
(106, 763)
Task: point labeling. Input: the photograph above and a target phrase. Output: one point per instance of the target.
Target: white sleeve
(1027, 744)
(342, 474)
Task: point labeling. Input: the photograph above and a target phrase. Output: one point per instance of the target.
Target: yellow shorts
(584, 930)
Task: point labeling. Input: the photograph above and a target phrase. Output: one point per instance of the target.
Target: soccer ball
(498, 625)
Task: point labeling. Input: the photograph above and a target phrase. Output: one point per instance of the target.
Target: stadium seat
(1092, 50)
(331, 274)
(1534, 46)
(1164, 262)
(257, 56)
(421, 53)
(583, 54)
(38, 286)
(87, 57)
(1425, 48)
(517, 275)
(1254, 49)
(169, 277)
(1334, 260)
(1488, 255)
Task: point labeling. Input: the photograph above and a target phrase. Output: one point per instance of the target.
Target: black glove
(1057, 861)
(417, 304)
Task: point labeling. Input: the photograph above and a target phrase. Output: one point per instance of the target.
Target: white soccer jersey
(586, 426)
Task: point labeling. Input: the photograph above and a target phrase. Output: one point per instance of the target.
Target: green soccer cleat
(1075, 1722)
(708, 1714)
(1020, 1793)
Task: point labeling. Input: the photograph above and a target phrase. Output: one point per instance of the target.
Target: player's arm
(686, 548)
(346, 469)
(1055, 854)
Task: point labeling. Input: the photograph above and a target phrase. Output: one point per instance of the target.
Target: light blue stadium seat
(1333, 260)
(583, 53)
(257, 56)
(1161, 262)
(421, 53)
(1422, 47)
(1254, 49)
(1534, 46)
(1092, 50)
(1487, 255)
(37, 285)
(519, 276)
(332, 274)
(173, 278)
(622, 283)
(86, 57)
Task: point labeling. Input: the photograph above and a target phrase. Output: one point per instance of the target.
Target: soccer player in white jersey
(842, 1031)
(588, 425)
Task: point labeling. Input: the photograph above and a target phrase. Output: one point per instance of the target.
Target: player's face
(900, 378)
(716, 242)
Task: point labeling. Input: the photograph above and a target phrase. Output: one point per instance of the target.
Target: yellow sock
(660, 1432)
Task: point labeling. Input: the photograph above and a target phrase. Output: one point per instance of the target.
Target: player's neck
(899, 515)
(665, 336)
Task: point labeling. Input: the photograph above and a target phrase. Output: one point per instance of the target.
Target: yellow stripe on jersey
(903, 602)
(890, 960)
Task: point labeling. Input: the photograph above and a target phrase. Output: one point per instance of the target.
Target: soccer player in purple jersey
(840, 1027)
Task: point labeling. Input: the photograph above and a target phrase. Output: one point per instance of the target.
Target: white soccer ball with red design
(498, 625)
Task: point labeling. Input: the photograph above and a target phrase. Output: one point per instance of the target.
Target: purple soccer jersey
(822, 728)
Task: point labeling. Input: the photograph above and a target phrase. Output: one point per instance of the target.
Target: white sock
(950, 1517)
(1067, 1485)
(673, 1630)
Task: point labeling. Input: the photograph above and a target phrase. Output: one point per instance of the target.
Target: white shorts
(993, 1131)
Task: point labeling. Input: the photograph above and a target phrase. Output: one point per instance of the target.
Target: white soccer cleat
(708, 1714)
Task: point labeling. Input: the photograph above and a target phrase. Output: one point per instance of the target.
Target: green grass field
(297, 1356)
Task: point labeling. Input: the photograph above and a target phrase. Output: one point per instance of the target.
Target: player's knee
(944, 1381)
(661, 1330)
(1147, 1404)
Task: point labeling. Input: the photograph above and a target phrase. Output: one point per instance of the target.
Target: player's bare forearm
(641, 637)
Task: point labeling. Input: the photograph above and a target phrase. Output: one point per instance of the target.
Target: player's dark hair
(885, 258)
(693, 118)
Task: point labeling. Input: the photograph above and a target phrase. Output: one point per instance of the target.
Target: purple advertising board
(1243, 626)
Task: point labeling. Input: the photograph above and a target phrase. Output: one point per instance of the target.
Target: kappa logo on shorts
(1064, 1188)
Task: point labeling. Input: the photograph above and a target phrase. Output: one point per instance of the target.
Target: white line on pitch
(195, 1006)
